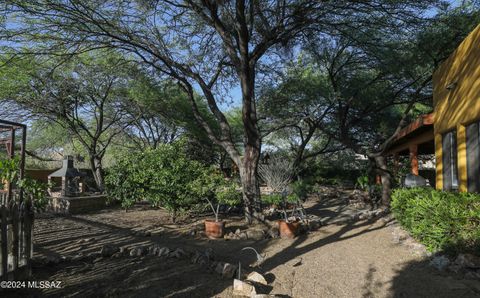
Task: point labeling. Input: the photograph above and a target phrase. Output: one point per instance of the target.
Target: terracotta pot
(214, 229)
(288, 229)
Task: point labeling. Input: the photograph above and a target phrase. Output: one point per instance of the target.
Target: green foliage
(441, 220)
(273, 199)
(362, 182)
(302, 188)
(125, 181)
(166, 177)
(211, 186)
(9, 170)
(227, 192)
(33, 190)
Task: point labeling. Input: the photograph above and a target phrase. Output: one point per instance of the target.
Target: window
(473, 157)
(450, 171)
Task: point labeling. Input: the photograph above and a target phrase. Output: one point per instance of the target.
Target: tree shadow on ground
(169, 277)
(155, 277)
(419, 279)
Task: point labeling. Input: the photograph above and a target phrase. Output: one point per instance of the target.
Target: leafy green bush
(216, 190)
(362, 182)
(9, 170)
(166, 177)
(302, 188)
(33, 190)
(272, 199)
(445, 221)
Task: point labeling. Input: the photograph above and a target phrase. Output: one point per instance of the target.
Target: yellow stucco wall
(458, 105)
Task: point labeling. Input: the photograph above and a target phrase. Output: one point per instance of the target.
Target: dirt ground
(340, 259)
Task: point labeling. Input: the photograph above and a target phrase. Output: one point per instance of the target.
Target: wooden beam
(425, 137)
(414, 158)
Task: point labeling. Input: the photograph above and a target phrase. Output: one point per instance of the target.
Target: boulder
(138, 251)
(243, 236)
(178, 253)
(440, 262)
(468, 261)
(314, 225)
(117, 255)
(219, 267)
(109, 250)
(238, 231)
(255, 234)
(227, 270)
(163, 252)
(153, 249)
(228, 236)
(399, 235)
(472, 275)
(209, 253)
(200, 258)
(241, 288)
(273, 232)
(52, 259)
(257, 278)
(455, 268)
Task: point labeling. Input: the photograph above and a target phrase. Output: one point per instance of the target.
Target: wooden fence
(16, 230)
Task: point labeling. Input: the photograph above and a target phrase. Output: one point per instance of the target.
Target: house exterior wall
(456, 99)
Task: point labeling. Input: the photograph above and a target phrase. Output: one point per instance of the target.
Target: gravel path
(341, 259)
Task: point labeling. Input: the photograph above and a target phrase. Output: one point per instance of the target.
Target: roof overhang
(419, 133)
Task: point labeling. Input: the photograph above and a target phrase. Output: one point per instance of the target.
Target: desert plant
(277, 173)
(282, 200)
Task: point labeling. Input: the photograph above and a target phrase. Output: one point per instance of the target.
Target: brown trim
(423, 120)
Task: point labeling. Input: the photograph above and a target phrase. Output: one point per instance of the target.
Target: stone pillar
(64, 186)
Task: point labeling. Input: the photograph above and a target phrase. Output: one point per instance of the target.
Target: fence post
(4, 249)
(15, 240)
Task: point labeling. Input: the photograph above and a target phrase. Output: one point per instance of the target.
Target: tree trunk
(386, 179)
(250, 184)
(97, 170)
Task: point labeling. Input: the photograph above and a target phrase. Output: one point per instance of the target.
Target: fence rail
(16, 230)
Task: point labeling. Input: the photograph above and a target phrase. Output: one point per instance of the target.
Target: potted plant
(288, 227)
(218, 191)
(278, 174)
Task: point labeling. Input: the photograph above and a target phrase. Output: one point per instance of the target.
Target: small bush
(302, 188)
(33, 190)
(445, 221)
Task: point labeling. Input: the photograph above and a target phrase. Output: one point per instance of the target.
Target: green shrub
(166, 177)
(216, 190)
(302, 188)
(272, 199)
(445, 221)
(33, 190)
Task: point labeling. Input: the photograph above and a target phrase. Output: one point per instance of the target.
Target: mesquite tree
(82, 95)
(207, 46)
